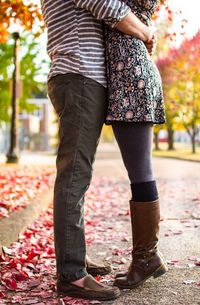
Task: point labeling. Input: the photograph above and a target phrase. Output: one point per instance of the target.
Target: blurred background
(29, 138)
(28, 122)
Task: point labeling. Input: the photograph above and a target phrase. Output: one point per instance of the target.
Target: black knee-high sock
(144, 191)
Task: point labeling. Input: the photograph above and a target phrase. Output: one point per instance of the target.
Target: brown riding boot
(147, 261)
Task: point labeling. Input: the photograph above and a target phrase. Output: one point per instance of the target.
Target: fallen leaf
(189, 282)
(10, 284)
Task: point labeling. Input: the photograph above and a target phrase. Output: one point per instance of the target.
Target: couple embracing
(102, 72)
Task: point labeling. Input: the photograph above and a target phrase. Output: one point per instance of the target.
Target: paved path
(179, 188)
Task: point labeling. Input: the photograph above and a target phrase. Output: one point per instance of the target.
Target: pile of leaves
(27, 268)
(19, 185)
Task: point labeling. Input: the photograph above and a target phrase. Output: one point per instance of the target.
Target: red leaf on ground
(11, 284)
(98, 278)
(20, 276)
(46, 294)
(173, 262)
(30, 301)
(192, 258)
(177, 232)
(2, 295)
(196, 199)
(34, 283)
(32, 255)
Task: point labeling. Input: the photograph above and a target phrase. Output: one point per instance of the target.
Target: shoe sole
(159, 272)
(99, 273)
(79, 296)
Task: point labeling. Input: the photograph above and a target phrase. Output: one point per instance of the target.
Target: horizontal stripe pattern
(75, 34)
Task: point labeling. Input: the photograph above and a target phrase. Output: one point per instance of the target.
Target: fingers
(151, 45)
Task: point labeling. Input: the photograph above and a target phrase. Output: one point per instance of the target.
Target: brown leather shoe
(92, 290)
(147, 261)
(96, 269)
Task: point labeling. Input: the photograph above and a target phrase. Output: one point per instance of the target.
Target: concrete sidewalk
(179, 188)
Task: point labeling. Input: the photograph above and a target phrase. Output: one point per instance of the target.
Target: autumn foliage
(16, 12)
(167, 8)
(180, 71)
(27, 14)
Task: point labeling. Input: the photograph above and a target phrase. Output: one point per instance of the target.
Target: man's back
(75, 40)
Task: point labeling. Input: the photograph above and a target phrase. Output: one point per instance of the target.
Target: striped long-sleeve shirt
(75, 34)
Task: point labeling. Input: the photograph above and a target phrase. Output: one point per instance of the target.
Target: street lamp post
(12, 155)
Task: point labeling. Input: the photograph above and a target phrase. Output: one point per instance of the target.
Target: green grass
(181, 151)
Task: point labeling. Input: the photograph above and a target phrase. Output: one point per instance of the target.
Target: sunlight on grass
(181, 152)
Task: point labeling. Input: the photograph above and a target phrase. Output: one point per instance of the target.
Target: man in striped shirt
(77, 89)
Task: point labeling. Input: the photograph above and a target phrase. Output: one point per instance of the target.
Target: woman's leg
(135, 142)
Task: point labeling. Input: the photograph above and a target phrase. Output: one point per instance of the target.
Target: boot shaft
(145, 220)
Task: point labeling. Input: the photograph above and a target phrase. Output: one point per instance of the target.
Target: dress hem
(131, 121)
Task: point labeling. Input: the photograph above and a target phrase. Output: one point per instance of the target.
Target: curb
(176, 158)
(18, 221)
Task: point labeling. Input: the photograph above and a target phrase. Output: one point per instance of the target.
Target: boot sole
(160, 271)
(79, 296)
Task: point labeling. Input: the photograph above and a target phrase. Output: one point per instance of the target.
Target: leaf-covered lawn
(19, 185)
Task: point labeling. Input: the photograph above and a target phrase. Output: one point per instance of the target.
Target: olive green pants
(80, 104)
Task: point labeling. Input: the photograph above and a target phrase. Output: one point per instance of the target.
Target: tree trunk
(170, 139)
(192, 133)
(156, 141)
(193, 137)
(193, 144)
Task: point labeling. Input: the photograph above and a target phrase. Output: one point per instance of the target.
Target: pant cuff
(68, 278)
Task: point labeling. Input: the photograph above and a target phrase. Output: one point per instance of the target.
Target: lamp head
(16, 35)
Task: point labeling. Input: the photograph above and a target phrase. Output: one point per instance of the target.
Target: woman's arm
(132, 25)
(118, 15)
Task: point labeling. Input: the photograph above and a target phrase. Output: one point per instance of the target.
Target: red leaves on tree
(180, 70)
(187, 54)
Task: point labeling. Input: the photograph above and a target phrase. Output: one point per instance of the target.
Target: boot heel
(162, 270)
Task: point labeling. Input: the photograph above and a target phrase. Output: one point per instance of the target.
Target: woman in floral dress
(135, 104)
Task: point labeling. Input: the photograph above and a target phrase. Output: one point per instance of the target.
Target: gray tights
(135, 143)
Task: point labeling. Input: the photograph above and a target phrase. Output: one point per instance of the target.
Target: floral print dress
(134, 83)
